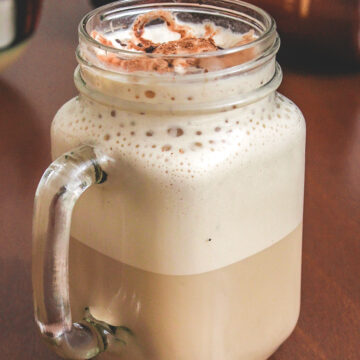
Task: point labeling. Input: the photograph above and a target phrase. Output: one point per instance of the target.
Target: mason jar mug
(169, 225)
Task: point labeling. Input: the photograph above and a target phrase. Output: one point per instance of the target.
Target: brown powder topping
(190, 45)
(186, 45)
(142, 20)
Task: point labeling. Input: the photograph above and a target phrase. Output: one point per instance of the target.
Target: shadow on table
(22, 141)
(19, 338)
(24, 154)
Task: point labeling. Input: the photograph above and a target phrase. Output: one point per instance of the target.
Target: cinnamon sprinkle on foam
(185, 45)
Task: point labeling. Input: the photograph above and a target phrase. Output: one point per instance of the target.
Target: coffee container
(170, 221)
(317, 34)
(18, 21)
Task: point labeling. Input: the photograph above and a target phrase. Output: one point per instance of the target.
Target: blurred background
(320, 35)
(18, 20)
(320, 59)
(317, 35)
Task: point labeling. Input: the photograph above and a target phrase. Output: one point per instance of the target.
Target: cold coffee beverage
(193, 242)
(212, 315)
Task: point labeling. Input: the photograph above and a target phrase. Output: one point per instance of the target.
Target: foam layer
(188, 194)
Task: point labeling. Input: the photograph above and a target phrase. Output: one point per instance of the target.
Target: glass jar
(187, 240)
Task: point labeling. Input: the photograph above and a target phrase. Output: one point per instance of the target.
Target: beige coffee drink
(193, 242)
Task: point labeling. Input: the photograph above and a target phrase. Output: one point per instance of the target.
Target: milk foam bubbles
(234, 179)
(192, 187)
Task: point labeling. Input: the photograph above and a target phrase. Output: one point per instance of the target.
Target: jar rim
(267, 40)
(255, 76)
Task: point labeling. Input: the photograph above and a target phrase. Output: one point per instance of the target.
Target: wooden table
(37, 85)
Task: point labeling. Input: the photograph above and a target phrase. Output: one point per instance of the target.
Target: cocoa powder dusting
(187, 44)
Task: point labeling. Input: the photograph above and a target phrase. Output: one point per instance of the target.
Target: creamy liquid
(179, 185)
(239, 312)
(194, 240)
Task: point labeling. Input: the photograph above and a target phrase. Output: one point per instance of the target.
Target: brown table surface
(34, 88)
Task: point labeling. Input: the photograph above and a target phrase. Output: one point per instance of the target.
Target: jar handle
(59, 189)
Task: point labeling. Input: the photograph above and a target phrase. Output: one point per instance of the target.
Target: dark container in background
(317, 34)
(98, 3)
(320, 35)
(18, 21)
